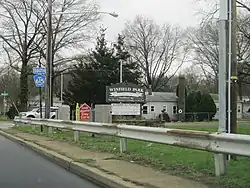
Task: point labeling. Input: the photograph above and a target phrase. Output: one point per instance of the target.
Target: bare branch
(157, 49)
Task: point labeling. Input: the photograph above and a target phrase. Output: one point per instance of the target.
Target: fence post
(76, 136)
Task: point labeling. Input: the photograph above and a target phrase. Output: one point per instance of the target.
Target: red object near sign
(85, 112)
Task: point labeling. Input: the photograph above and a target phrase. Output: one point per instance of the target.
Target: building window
(152, 109)
(145, 110)
(174, 109)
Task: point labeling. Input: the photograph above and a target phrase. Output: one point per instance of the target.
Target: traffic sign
(4, 94)
(39, 70)
(39, 80)
(85, 112)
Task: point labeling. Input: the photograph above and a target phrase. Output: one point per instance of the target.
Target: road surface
(23, 168)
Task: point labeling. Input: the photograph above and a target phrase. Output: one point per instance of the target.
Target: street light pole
(121, 71)
(234, 76)
(220, 159)
(48, 61)
(123, 141)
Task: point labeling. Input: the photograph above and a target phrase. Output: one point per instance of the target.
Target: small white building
(158, 101)
(245, 107)
(241, 107)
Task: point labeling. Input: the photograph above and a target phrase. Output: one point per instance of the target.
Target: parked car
(35, 113)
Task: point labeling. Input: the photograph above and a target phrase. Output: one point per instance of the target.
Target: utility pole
(48, 61)
(234, 75)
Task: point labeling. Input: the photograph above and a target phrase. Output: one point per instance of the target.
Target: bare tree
(24, 29)
(159, 50)
(243, 58)
(9, 82)
(205, 49)
(73, 25)
(21, 24)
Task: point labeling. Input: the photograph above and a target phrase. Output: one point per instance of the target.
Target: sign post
(77, 112)
(85, 112)
(39, 78)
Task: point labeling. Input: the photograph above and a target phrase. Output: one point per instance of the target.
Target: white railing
(219, 143)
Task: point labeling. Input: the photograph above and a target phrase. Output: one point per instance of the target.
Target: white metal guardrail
(235, 144)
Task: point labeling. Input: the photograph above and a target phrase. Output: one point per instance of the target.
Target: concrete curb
(93, 174)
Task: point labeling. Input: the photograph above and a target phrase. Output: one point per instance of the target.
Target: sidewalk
(128, 171)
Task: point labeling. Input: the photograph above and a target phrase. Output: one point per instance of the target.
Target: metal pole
(222, 65)
(220, 159)
(4, 101)
(234, 76)
(40, 102)
(48, 61)
(40, 98)
(61, 87)
(123, 141)
(229, 64)
(51, 72)
(120, 71)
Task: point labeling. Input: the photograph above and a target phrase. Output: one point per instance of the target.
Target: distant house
(245, 107)
(157, 101)
(241, 107)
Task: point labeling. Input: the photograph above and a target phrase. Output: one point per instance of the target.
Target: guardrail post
(33, 127)
(50, 130)
(76, 136)
(220, 164)
(123, 145)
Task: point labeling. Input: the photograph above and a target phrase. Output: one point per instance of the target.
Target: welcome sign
(125, 92)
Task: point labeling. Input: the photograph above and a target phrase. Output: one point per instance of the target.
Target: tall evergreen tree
(201, 104)
(99, 69)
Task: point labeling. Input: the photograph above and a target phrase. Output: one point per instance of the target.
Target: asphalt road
(23, 168)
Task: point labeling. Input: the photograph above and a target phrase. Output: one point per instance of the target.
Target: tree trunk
(23, 95)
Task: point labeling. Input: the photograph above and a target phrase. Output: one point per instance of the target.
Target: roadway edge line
(92, 174)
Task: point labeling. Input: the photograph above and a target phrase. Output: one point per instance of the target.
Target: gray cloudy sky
(177, 12)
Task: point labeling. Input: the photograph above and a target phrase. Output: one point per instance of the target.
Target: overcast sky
(177, 12)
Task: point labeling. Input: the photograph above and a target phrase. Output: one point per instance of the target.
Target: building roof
(215, 97)
(161, 97)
